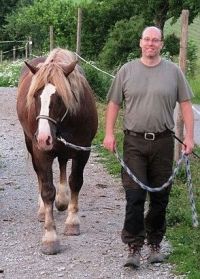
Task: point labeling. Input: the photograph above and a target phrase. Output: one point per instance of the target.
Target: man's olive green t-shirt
(149, 94)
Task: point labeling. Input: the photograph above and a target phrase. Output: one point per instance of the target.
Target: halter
(41, 116)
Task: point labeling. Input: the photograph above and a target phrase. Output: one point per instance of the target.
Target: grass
(195, 85)
(183, 237)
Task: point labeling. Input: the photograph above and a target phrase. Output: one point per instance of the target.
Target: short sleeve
(184, 90)
(115, 93)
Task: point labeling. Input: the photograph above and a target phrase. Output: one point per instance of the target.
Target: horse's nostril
(48, 140)
(35, 136)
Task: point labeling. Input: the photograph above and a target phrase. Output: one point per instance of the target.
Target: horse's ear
(32, 68)
(67, 69)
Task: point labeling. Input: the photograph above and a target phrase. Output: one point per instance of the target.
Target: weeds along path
(96, 254)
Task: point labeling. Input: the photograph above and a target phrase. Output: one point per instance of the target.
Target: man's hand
(109, 142)
(188, 145)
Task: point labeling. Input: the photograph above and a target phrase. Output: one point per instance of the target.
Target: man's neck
(150, 61)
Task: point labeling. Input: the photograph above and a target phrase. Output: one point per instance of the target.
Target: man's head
(151, 42)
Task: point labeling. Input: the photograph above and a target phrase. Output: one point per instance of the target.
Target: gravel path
(96, 254)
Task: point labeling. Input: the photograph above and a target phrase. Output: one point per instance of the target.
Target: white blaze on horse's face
(44, 137)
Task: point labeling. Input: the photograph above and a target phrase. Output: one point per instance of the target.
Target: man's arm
(111, 117)
(188, 118)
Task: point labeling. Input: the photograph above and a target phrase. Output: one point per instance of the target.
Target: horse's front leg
(43, 167)
(62, 191)
(35, 162)
(50, 242)
(72, 224)
(41, 209)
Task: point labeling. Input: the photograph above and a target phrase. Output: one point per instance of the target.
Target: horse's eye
(58, 100)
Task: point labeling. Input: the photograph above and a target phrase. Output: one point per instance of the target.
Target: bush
(171, 45)
(122, 40)
(9, 73)
(100, 82)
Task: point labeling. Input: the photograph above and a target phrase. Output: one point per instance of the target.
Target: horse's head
(50, 107)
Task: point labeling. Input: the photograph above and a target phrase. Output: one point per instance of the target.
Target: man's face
(151, 43)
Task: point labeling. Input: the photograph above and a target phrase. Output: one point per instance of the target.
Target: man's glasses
(154, 40)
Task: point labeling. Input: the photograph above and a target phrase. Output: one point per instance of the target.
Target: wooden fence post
(14, 53)
(78, 37)
(1, 56)
(26, 50)
(30, 47)
(51, 37)
(182, 64)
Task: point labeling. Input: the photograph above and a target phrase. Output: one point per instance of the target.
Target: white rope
(196, 110)
(94, 66)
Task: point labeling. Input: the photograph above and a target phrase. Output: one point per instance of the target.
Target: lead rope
(74, 146)
(190, 193)
(166, 184)
(145, 187)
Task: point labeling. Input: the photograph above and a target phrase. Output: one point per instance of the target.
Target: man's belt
(148, 135)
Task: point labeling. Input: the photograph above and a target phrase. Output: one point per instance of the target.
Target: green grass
(195, 85)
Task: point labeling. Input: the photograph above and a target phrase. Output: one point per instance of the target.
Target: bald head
(153, 29)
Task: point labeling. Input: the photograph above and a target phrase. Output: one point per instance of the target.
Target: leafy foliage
(99, 19)
(9, 73)
(171, 45)
(35, 20)
(99, 82)
(121, 43)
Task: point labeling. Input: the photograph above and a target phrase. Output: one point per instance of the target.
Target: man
(149, 87)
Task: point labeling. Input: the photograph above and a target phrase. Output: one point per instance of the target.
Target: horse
(55, 104)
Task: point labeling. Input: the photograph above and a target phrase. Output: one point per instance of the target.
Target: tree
(7, 6)
(99, 20)
(34, 21)
(122, 41)
(101, 16)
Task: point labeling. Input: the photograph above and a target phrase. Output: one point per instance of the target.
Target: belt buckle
(149, 136)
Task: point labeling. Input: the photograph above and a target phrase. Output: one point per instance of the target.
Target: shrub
(9, 73)
(100, 82)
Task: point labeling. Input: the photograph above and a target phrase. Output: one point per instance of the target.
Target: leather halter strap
(46, 117)
(41, 116)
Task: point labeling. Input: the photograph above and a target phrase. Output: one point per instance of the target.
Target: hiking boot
(155, 255)
(133, 259)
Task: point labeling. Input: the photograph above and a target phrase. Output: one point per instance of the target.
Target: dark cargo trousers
(151, 161)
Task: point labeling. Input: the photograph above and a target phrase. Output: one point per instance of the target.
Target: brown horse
(55, 101)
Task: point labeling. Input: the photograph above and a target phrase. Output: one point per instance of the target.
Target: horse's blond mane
(51, 72)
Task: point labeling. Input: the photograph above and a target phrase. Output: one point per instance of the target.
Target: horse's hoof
(51, 248)
(61, 206)
(72, 230)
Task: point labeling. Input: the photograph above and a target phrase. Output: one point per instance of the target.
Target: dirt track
(96, 254)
